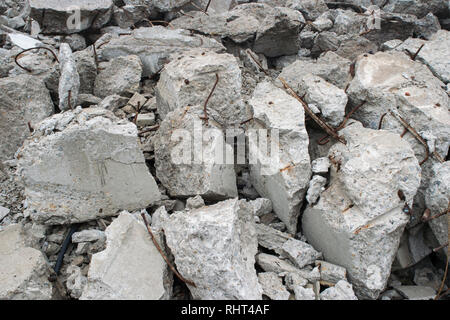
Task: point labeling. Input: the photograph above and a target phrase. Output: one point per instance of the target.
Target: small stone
(341, 291)
(321, 165)
(316, 186)
(88, 236)
(195, 203)
(331, 273)
(272, 286)
(3, 212)
(300, 253)
(302, 293)
(417, 292)
(262, 206)
(145, 119)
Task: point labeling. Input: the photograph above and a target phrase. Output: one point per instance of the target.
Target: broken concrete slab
(272, 286)
(435, 54)
(331, 273)
(18, 110)
(87, 69)
(153, 45)
(299, 252)
(215, 247)
(278, 33)
(417, 292)
(189, 79)
(437, 199)
(201, 170)
(65, 16)
(283, 178)
(131, 267)
(271, 238)
(25, 271)
(69, 80)
(359, 219)
(329, 99)
(341, 291)
(90, 166)
(328, 66)
(316, 186)
(302, 293)
(91, 235)
(121, 76)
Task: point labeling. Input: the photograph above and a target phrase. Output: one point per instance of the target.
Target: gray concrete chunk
(272, 286)
(90, 166)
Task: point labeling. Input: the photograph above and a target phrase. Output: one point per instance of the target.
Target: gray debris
(300, 253)
(228, 271)
(316, 186)
(18, 109)
(341, 291)
(121, 76)
(190, 78)
(65, 16)
(75, 282)
(88, 236)
(330, 100)
(271, 238)
(331, 273)
(284, 181)
(302, 293)
(179, 167)
(261, 206)
(195, 203)
(417, 292)
(3, 212)
(272, 286)
(320, 165)
(73, 182)
(154, 46)
(130, 268)
(69, 81)
(359, 219)
(437, 198)
(25, 272)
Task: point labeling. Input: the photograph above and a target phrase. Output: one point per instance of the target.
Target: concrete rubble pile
(236, 149)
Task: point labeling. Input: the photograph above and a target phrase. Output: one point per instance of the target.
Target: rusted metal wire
(257, 62)
(205, 111)
(34, 48)
(328, 129)
(322, 141)
(163, 255)
(207, 6)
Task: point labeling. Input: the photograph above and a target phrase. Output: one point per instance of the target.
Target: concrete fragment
(435, 54)
(121, 76)
(272, 286)
(75, 282)
(341, 291)
(154, 46)
(168, 5)
(300, 253)
(18, 109)
(87, 69)
(328, 66)
(187, 172)
(331, 273)
(262, 206)
(304, 293)
(359, 219)
(69, 81)
(91, 235)
(294, 280)
(145, 119)
(25, 271)
(189, 79)
(65, 16)
(271, 238)
(330, 100)
(130, 267)
(311, 9)
(417, 292)
(416, 7)
(278, 33)
(284, 179)
(316, 186)
(3, 212)
(437, 198)
(90, 166)
(23, 41)
(320, 165)
(215, 247)
(195, 203)
(271, 263)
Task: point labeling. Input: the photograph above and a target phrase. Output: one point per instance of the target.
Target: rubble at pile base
(224, 149)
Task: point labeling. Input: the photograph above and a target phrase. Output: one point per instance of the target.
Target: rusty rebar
(205, 111)
(163, 255)
(207, 6)
(328, 129)
(29, 49)
(257, 62)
